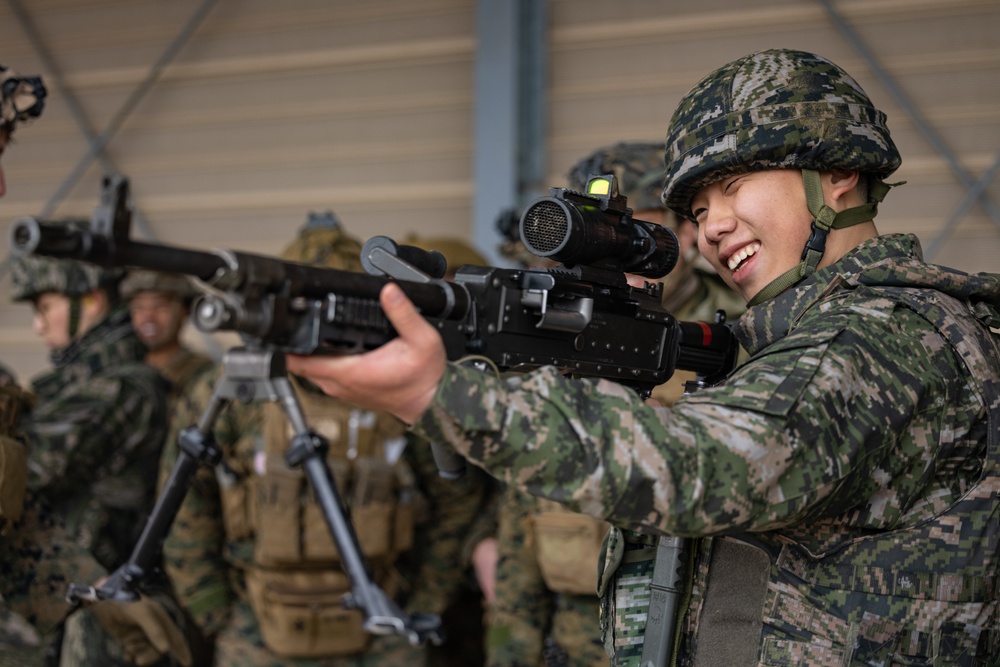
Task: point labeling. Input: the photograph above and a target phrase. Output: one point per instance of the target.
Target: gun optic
(597, 229)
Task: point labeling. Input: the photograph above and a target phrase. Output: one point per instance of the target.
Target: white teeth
(747, 251)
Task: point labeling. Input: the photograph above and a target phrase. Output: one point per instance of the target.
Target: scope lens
(545, 227)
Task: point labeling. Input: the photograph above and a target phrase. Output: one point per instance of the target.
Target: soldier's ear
(839, 184)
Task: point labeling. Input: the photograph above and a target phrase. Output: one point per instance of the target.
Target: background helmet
(21, 98)
(324, 242)
(33, 276)
(175, 284)
(775, 109)
(638, 166)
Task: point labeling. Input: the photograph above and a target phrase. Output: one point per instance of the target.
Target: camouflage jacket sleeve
(103, 423)
(803, 429)
(38, 560)
(454, 505)
(520, 618)
(196, 550)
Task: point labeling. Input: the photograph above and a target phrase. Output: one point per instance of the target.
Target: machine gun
(581, 316)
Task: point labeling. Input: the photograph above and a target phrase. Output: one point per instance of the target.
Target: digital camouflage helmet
(141, 280)
(21, 98)
(780, 109)
(637, 165)
(33, 276)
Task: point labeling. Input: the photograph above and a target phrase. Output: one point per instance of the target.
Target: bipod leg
(196, 446)
(382, 615)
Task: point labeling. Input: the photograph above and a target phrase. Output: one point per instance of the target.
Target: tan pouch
(277, 501)
(317, 542)
(13, 481)
(567, 546)
(301, 613)
(373, 505)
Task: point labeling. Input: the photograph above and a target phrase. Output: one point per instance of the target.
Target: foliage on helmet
(775, 109)
(21, 98)
(142, 280)
(324, 242)
(638, 166)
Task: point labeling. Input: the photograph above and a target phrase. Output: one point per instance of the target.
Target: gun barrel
(30, 236)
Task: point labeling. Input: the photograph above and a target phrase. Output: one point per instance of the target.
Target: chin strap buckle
(816, 242)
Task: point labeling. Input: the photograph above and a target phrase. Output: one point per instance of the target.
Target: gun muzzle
(28, 236)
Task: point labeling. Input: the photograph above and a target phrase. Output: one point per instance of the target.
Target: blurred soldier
(249, 553)
(39, 556)
(464, 620)
(98, 426)
(159, 304)
(546, 610)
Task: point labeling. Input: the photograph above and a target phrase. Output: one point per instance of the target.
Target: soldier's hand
(400, 377)
(145, 630)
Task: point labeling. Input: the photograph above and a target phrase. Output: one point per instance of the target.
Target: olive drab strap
(824, 219)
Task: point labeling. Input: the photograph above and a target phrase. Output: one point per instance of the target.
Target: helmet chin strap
(75, 315)
(824, 219)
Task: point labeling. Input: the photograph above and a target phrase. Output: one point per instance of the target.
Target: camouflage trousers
(572, 637)
(576, 631)
(85, 643)
(240, 645)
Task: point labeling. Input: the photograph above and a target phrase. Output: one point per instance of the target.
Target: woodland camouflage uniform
(546, 610)
(840, 486)
(186, 364)
(214, 562)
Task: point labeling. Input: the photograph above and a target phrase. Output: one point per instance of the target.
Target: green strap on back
(824, 219)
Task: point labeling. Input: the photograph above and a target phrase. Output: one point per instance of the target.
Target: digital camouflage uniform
(546, 610)
(223, 550)
(840, 486)
(93, 435)
(98, 424)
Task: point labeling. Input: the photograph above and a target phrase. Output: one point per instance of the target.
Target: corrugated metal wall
(275, 109)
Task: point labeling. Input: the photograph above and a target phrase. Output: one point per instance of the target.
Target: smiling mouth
(736, 259)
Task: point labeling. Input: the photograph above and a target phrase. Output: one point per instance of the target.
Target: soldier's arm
(454, 505)
(100, 424)
(193, 552)
(768, 447)
(521, 616)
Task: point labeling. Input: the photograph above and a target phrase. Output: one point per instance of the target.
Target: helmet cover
(775, 109)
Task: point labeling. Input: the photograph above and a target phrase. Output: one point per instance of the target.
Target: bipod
(261, 375)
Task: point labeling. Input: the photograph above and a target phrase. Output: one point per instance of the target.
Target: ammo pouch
(302, 615)
(567, 547)
(296, 585)
(13, 481)
(290, 526)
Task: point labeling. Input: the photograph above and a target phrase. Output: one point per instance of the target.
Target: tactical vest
(296, 585)
(567, 545)
(13, 457)
(927, 591)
